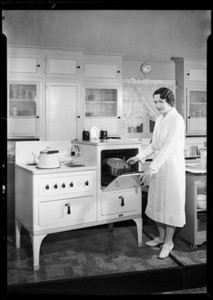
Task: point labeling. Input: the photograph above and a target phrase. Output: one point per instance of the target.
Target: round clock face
(146, 68)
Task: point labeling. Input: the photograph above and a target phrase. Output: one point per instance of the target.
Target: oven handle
(122, 200)
(68, 208)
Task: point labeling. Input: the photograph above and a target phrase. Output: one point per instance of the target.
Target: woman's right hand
(132, 160)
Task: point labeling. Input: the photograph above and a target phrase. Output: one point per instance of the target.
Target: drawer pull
(122, 200)
(68, 208)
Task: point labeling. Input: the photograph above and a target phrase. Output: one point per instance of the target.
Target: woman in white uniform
(166, 174)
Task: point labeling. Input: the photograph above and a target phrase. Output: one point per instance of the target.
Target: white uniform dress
(166, 196)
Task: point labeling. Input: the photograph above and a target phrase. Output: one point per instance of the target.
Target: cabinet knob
(119, 117)
(118, 71)
(188, 74)
(37, 117)
(189, 117)
(38, 65)
(78, 117)
(78, 67)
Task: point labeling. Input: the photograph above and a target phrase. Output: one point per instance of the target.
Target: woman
(166, 174)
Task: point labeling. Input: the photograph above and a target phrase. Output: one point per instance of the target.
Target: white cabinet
(25, 68)
(63, 64)
(191, 94)
(24, 108)
(102, 92)
(102, 106)
(62, 101)
(102, 67)
(194, 230)
(24, 62)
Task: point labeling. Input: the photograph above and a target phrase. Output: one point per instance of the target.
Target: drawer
(121, 202)
(82, 210)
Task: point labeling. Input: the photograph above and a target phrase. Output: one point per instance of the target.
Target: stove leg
(111, 226)
(36, 244)
(139, 224)
(18, 226)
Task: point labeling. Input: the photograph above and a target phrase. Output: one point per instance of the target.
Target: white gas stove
(70, 197)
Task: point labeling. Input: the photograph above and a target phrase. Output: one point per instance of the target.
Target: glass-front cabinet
(23, 108)
(102, 107)
(196, 109)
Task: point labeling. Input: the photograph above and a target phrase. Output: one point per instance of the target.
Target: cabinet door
(102, 107)
(102, 67)
(23, 108)
(196, 72)
(196, 110)
(24, 62)
(61, 110)
(63, 65)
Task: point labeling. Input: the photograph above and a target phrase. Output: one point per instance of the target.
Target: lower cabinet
(195, 228)
(120, 204)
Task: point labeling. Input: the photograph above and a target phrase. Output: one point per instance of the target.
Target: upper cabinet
(191, 94)
(24, 62)
(103, 67)
(63, 64)
(102, 92)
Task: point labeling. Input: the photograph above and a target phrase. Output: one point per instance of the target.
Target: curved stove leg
(139, 224)
(36, 244)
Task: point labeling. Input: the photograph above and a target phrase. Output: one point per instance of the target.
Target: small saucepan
(118, 166)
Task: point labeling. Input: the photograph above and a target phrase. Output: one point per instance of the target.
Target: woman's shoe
(166, 249)
(156, 241)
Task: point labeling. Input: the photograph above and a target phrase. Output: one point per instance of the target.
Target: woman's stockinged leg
(170, 230)
(162, 230)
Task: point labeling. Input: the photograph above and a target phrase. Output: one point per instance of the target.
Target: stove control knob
(47, 187)
(87, 183)
(56, 186)
(63, 185)
(71, 184)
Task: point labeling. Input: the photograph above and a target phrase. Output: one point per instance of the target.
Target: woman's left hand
(147, 176)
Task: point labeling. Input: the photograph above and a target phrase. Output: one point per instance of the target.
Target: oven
(119, 198)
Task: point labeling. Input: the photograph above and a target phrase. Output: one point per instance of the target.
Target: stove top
(69, 166)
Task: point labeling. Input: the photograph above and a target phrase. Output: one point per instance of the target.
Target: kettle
(48, 159)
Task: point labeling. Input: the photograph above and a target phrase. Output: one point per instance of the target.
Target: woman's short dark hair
(166, 94)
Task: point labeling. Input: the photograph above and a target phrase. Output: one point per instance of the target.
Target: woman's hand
(147, 176)
(132, 160)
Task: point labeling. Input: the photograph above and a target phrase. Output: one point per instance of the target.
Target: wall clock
(146, 68)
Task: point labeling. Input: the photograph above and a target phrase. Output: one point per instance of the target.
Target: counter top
(64, 168)
(195, 167)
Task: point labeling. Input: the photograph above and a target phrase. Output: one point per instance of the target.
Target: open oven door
(124, 182)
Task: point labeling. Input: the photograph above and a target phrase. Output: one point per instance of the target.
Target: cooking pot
(118, 166)
(48, 159)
